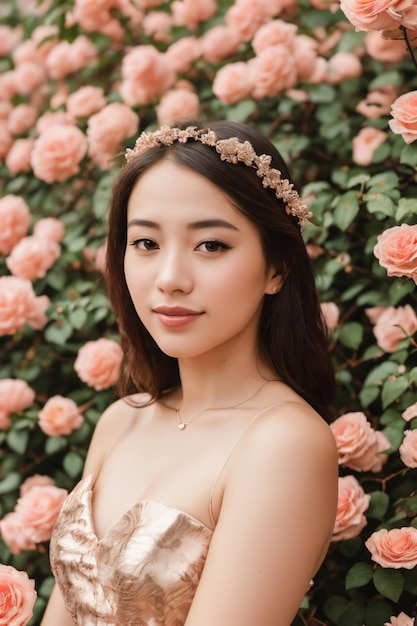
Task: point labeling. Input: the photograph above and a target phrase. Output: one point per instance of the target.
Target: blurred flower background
(334, 86)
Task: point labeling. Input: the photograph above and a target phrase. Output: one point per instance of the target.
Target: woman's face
(194, 265)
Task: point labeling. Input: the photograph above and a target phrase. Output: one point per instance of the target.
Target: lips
(174, 317)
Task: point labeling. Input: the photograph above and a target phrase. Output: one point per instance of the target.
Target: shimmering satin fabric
(144, 572)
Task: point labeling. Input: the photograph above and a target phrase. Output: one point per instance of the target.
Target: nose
(174, 273)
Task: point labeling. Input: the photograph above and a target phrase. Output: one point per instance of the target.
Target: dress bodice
(143, 572)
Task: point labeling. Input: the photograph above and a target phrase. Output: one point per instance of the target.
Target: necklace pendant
(182, 426)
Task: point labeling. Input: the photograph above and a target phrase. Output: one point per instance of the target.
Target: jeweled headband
(231, 150)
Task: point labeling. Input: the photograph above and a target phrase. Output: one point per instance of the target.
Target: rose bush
(337, 95)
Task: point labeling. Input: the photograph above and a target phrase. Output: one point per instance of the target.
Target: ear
(274, 282)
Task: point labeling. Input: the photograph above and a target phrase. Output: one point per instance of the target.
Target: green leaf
(390, 583)
(78, 318)
(409, 156)
(411, 581)
(241, 111)
(367, 395)
(18, 440)
(54, 445)
(10, 483)
(382, 204)
(377, 612)
(321, 93)
(73, 463)
(334, 607)
(346, 210)
(395, 432)
(353, 616)
(378, 505)
(359, 575)
(351, 334)
(381, 372)
(58, 333)
(392, 389)
(406, 207)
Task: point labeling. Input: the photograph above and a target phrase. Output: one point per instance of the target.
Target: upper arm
(275, 524)
(56, 613)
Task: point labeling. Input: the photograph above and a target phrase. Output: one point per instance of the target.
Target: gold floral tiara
(233, 151)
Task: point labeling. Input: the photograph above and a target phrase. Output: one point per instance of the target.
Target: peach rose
(51, 118)
(8, 87)
(408, 448)
(394, 548)
(177, 104)
(19, 155)
(272, 71)
(182, 53)
(37, 480)
(60, 97)
(19, 305)
(410, 413)
(190, 13)
(305, 56)
(98, 363)
(15, 535)
(273, 33)
(6, 140)
(32, 257)
(157, 24)
(385, 50)
(86, 101)
(351, 505)
(232, 83)
(15, 395)
(404, 114)
(356, 441)
(22, 118)
(9, 38)
(66, 58)
(18, 595)
(393, 325)
(93, 15)
(396, 250)
(107, 129)
(218, 43)
(374, 15)
(366, 142)
(377, 102)
(146, 74)
(246, 16)
(58, 152)
(343, 66)
(330, 312)
(401, 620)
(5, 421)
(29, 76)
(15, 220)
(49, 228)
(39, 509)
(59, 416)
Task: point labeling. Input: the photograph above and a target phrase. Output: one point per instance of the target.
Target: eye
(144, 244)
(213, 245)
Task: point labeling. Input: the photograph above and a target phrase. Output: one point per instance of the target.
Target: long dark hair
(292, 336)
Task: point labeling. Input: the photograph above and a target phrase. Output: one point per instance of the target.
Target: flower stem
(408, 44)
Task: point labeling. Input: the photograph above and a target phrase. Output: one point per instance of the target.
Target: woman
(210, 488)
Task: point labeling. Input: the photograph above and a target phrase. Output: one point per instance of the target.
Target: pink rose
(5, 421)
(9, 38)
(365, 143)
(177, 104)
(394, 548)
(22, 118)
(385, 50)
(218, 43)
(37, 480)
(58, 152)
(15, 395)
(51, 118)
(182, 53)
(49, 228)
(157, 24)
(19, 155)
(107, 129)
(59, 416)
(356, 441)
(39, 509)
(18, 595)
(367, 15)
(15, 220)
(408, 448)
(396, 250)
(351, 504)
(6, 140)
(32, 257)
(330, 312)
(232, 83)
(93, 15)
(393, 325)
(273, 33)
(272, 71)
(190, 13)
(98, 363)
(15, 535)
(377, 103)
(66, 58)
(410, 413)
(246, 16)
(343, 66)
(404, 114)
(8, 87)
(305, 56)
(146, 74)
(401, 620)
(29, 76)
(19, 305)
(86, 101)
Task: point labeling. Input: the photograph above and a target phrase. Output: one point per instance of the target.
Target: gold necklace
(183, 425)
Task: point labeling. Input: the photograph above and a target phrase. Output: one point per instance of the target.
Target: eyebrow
(218, 223)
